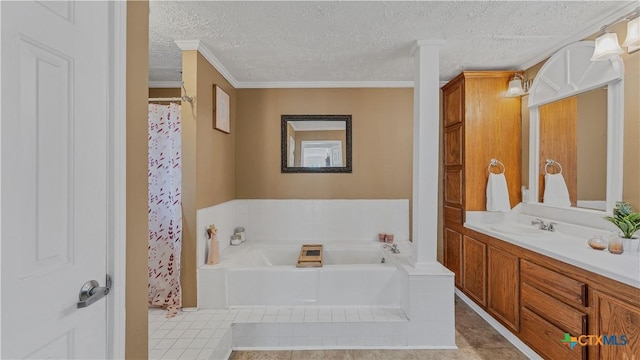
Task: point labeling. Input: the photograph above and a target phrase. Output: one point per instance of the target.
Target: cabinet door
(474, 269)
(453, 146)
(453, 254)
(453, 187)
(503, 287)
(615, 317)
(453, 101)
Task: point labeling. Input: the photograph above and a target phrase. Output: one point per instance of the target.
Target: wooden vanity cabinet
(540, 299)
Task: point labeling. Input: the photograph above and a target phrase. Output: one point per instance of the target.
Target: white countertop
(573, 250)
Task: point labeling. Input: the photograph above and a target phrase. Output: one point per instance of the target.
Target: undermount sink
(519, 229)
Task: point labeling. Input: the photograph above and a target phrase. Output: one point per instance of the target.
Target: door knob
(91, 292)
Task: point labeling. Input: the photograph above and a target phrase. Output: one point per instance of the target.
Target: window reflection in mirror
(316, 143)
(573, 132)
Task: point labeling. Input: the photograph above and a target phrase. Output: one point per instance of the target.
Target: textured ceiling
(363, 41)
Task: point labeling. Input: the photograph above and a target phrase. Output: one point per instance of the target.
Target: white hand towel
(497, 193)
(555, 191)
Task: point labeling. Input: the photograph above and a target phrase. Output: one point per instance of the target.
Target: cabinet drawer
(545, 338)
(562, 315)
(553, 283)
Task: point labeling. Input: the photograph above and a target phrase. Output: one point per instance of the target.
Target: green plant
(628, 222)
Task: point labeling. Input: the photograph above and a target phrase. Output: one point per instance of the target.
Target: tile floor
(196, 335)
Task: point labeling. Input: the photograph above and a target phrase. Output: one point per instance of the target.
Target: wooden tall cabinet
(479, 124)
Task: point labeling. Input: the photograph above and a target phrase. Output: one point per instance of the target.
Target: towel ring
(498, 163)
(550, 163)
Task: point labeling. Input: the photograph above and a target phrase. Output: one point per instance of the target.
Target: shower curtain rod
(184, 98)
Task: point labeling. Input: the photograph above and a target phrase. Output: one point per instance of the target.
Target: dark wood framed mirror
(315, 143)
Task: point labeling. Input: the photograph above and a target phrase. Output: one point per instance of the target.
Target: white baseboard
(499, 327)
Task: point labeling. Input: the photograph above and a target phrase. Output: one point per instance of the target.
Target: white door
(55, 134)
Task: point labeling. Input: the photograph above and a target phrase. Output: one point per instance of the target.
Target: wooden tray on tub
(310, 256)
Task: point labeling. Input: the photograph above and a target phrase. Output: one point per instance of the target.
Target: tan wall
(382, 123)
(208, 158)
(335, 135)
(136, 341)
(631, 168)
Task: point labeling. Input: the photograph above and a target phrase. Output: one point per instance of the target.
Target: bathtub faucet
(394, 248)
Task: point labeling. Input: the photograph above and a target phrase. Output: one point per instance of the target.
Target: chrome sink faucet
(550, 226)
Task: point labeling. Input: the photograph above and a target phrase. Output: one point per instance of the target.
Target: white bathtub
(266, 275)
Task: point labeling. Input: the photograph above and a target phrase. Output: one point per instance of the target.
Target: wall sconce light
(632, 42)
(518, 86)
(607, 45)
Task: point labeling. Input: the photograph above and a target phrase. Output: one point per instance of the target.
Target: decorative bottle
(214, 246)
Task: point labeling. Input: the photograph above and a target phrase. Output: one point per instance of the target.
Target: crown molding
(302, 85)
(198, 45)
(165, 84)
(323, 84)
(186, 45)
(589, 30)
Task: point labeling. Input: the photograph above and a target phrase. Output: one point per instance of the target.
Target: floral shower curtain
(165, 207)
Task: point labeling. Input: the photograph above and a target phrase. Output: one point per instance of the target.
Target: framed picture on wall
(221, 110)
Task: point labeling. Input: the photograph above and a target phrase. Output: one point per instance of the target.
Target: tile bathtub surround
(207, 334)
(304, 221)
(475, 338)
